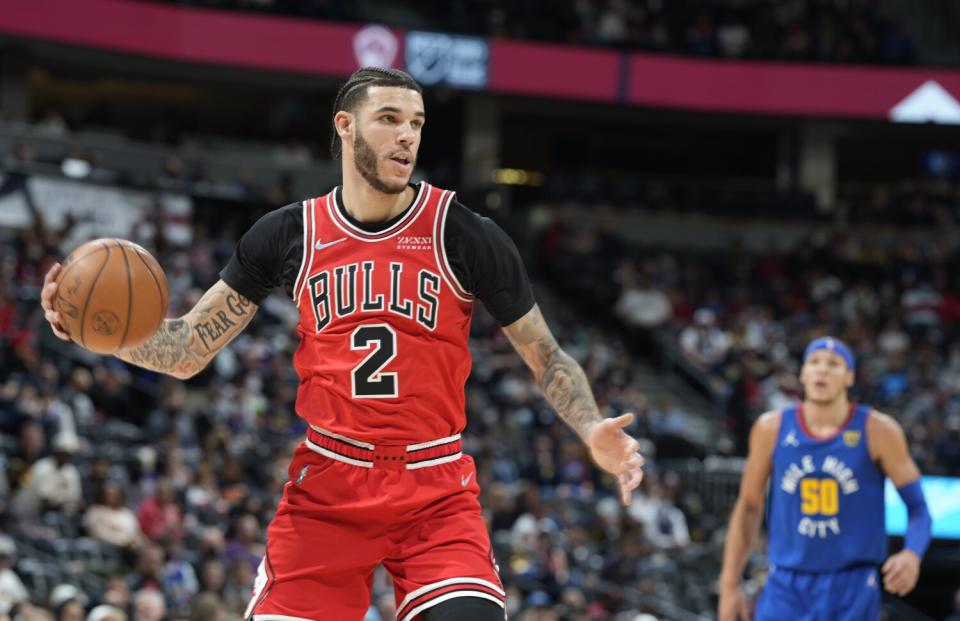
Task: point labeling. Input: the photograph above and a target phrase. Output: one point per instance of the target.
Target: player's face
(387, 137)
(825, 377)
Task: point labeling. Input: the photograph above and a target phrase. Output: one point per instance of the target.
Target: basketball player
(384, 274)
(828, 459)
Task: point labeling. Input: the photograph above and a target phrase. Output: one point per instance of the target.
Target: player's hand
(733, 605)
(616, 452)
(47, 295)
(901, 572)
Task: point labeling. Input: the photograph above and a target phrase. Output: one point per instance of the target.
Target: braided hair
(354, 92)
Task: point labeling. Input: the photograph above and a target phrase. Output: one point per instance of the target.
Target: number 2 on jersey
(367, 379)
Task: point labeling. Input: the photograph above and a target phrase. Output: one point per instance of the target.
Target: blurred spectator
(246, 543)
(52, 484)
(159, 515)
(12, 591)
(641, 304)
(106, 612)
(664, 525)
(704, 343)
(116, 593)
(111, 521)
(149, 605)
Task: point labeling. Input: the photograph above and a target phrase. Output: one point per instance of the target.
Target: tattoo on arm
(561, 379)
(183, 347)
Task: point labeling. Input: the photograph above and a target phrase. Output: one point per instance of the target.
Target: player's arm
(566, 388)
(184, 346)
(888, 447)
(747, 515)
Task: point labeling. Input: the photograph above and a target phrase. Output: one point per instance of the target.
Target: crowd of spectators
(740, 318)
(124, 495)
(824, 31)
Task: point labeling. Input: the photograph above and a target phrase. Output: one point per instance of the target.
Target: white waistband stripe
(423, 445)
(434, 462)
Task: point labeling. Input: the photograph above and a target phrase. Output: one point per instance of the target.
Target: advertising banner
(911, 95)
(205, 36)
(439, 58)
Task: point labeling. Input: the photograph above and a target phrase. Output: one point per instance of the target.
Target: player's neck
(366, 204)
(826, 416)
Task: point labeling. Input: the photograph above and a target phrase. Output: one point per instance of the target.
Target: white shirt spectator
(893, 341)
(704, 344)
(51, 481)
(664, 525)
(12, 591)
(116, 526)
(646, 308)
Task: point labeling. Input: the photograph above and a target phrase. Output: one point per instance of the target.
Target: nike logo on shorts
(465, 479)
(320, 245)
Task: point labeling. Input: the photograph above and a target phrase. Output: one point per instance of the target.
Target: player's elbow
(185, 372)
(750, 505)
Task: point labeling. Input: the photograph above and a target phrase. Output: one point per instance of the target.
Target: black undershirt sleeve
(268, 256)
(486, 262)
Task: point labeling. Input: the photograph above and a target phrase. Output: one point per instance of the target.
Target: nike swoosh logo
(320, 245)
(466, 479)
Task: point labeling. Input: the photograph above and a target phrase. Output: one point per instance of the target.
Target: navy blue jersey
(826, 498)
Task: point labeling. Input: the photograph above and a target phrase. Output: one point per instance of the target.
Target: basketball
(111, 294)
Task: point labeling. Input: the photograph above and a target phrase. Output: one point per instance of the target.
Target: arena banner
(913, 95)
(206, 36)
(440, 58)
(560, 71)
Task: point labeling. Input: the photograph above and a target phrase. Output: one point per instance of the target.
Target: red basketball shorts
(350, 506)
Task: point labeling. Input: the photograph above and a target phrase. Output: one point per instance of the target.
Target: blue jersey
(826, 498)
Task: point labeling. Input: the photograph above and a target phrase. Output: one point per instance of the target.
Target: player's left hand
(900, 572)
(616, 452)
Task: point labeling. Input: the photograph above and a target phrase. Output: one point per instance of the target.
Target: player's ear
(851, 377)
(344, 121)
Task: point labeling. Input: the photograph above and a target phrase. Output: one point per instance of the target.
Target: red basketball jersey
(384, 325)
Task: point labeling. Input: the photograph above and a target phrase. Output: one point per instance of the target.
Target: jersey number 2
(367, 380)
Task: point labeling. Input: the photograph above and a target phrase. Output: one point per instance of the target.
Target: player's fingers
(890, 580)
(623, 420)
(47, 294)
(51, 275)
(625, 494)
(627, 482)
(887, 565)
(634, 462)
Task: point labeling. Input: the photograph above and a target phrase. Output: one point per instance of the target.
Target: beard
(365, 161)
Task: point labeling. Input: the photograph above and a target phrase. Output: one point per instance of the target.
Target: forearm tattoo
(171, 350)
(566, 388)
(561, 379)
(183, 347)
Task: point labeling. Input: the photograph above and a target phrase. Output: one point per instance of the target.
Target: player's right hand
(733, 605)
(47, 295)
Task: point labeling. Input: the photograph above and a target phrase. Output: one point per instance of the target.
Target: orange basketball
(111, 294)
